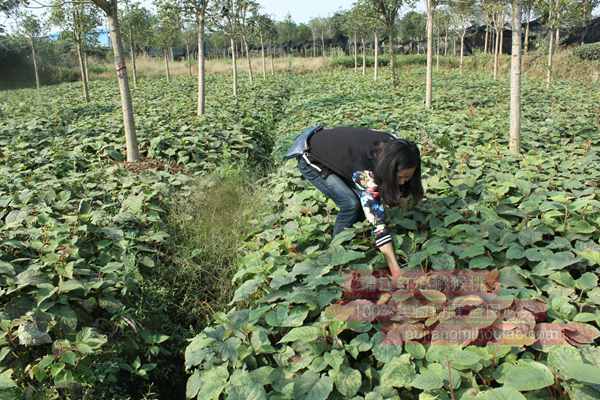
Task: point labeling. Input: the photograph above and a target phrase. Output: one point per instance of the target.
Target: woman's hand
(390, 257)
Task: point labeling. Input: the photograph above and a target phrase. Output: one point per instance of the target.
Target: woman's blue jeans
(337, 190)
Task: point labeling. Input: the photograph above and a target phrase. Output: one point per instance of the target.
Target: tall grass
(181, 295)
(155, 67)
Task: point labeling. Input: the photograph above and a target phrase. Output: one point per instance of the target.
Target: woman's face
(405, 175)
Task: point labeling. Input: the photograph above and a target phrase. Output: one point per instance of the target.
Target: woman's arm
(374, 212)
(390, 257)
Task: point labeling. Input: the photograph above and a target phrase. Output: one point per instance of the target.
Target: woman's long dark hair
(390, 158)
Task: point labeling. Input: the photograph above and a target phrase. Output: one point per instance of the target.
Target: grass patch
(181, 294)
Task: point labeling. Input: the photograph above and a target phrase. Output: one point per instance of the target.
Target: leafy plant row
(534, 222)
(79, 228)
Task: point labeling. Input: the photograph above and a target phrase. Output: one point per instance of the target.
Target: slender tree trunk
(376, 66)
(85, 68)
(446, 43)
(171, 54)
(485, 41)
(527, 36)
(557, 40)
(437, 53)
(200, 19)
(86, 93)
(392, 32)
(501, 49)
(314, 49)
(188, 59)
(428, 79)
(234, 67)
(133, 66)
(133, 153)
(250, 72)
(262, 55)
(323, 43)
(462, 49)
(454, 46)
(167, 69)
(35, 66)
(364, 56)
(549, 66)
(272, 59)
(496, 56)
(355, 54)
(515, 80)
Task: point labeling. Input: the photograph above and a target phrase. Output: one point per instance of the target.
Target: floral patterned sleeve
(372, 205)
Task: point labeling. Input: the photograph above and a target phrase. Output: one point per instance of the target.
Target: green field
(108, 268)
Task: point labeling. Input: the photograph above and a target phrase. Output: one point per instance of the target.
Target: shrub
(589, 52)
(402, 59)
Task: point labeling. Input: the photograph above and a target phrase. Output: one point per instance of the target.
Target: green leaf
(304, 382)
(302, 334)
(341, 256)
(473, 250)
(359, 344)
(4, 352)
(243, 387)
(502, 393)
(29, 334)
(260, 341)
(214, 381)
(515, 252)
(283, 316)
(428, 380)
(580, 372)
(587, 281)
(398, 373)
(384, 352)
(415, 349)
(198, 350)
(569, 364)
(347, 381)
(481, 262)
(442, 262)
(88, 340)
(193, 385)
(6, 380)
(556, 261)
(246, 289)
(591, 255)
(526, 375)
(6, 268)
(321, 389)
(465, 359)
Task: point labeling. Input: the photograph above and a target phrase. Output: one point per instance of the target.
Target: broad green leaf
(302, 334)
(260, 341)
(397, 373)
(193, 385)
(214, 381)
(321, 389)
(526, 375)
(347, 381)
(6, 380)
(243, 387)
(246, 289)
(502, 393)
(415, 349)
(29, 334)
(427, 380)
(587, 281)
(285, 316)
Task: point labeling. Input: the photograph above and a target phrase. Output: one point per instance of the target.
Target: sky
(303, 10)
(300, 10)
